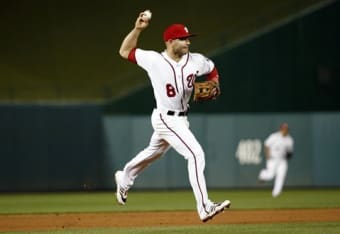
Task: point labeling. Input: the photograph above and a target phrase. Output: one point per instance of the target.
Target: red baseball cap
(176, 31)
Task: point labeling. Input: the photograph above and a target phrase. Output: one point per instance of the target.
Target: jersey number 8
(170, 90)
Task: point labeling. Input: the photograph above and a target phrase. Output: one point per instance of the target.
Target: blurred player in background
(278, 150)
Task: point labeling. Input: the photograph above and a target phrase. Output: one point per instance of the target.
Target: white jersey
(172, 81)
(279, 145)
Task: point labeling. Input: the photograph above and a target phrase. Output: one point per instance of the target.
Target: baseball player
(172, 74)
(278, 149)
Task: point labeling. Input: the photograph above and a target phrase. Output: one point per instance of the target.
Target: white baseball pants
(172, 131)
(275, 168)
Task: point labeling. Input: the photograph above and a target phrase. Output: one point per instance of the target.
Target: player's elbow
(124, 53)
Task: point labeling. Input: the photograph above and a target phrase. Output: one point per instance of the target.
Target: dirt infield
(42, 222)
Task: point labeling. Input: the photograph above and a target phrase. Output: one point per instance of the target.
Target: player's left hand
(206, 90)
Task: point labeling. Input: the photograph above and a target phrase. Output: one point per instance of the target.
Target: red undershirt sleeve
(132, 56)
(213, 75)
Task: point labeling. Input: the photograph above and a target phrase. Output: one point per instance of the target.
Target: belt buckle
(170, 112)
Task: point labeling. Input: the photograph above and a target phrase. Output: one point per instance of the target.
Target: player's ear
(168, 42)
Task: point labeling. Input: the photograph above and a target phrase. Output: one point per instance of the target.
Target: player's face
(284, 131)
(181, 46)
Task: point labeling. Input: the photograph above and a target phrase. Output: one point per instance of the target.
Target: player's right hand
(140, 23)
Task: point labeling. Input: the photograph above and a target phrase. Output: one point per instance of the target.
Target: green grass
(163, 201)
(298, 228)
(23, 203)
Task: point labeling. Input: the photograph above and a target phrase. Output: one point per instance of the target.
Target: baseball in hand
(146, 15)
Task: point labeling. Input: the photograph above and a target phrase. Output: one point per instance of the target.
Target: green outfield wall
(50, 147)
(234, 148)
(78, 147)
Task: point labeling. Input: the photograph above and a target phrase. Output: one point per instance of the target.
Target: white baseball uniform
(172, 84)
(277, 165)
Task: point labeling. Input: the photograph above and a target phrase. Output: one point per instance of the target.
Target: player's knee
(200, 157)
(266, 175)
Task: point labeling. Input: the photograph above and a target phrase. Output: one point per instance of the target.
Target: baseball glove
(206, 90)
